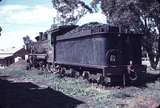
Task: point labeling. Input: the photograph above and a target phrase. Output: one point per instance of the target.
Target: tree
(70, 11)
(28, 43)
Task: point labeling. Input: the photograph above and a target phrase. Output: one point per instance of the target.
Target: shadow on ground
(28, 95)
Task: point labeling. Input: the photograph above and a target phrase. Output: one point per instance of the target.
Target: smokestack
(40, 35)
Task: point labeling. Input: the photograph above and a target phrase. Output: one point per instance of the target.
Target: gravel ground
(91, 95)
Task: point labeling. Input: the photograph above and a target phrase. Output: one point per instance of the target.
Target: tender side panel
(89, 51)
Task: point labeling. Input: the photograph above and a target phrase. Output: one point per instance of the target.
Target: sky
(19, 18)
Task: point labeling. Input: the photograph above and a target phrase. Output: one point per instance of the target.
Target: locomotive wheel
(57, 69)
(86, 75)
(52, 68)
(48, 68)
(43, 68)
(90, 79)
(97, 77)
(40, 66)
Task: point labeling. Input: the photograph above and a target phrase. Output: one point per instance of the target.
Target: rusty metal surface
(84, 51)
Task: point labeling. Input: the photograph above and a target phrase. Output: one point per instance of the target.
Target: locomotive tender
(96, 51)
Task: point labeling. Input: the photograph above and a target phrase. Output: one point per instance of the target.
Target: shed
(7, 56)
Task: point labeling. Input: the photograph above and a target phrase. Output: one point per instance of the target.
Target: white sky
(19, 19)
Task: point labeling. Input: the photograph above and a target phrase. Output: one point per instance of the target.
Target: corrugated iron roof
(8, 52)
(2, 56)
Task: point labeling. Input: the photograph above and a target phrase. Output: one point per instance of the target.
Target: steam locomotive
(97, 52)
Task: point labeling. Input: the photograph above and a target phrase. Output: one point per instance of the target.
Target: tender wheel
(101, 79)
(62, 72)
(107, 81)
(72, 72)
(86, 75)
(77, 74)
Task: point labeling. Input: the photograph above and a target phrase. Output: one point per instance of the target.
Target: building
(11, 55)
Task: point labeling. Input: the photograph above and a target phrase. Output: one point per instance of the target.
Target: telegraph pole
(0, 30)
(0, 26)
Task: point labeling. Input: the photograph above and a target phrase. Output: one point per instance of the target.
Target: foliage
(28, 43)
(70, 11)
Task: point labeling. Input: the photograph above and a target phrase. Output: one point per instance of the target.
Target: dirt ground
(35, 89)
